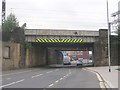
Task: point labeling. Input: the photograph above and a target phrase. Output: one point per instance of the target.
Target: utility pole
(108, 37)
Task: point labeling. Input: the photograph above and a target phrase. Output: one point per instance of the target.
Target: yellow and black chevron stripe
(40, 40)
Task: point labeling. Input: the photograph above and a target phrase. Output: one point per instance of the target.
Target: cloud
(60, 13)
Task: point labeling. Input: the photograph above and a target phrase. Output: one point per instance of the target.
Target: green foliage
(10, 24)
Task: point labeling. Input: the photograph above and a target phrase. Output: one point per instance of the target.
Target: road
(50, 78)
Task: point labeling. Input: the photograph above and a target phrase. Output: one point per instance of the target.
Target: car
(66, 60)
(90, 62)
(74, 63)
(79, 63)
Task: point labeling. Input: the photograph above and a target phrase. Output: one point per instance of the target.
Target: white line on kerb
(99, 78)
(11, 83)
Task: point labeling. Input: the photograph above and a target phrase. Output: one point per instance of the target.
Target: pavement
(110, 78)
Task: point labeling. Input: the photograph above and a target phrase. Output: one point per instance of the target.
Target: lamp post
(109, 24)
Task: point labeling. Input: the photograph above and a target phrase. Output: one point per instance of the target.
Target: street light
(108, 37)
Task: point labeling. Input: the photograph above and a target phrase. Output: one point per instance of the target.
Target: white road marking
(51, 85)
(61, 78)
(15, 73)
(36, 75)
(64, 77)
(11, 83)
(57, 81)
(49, 71)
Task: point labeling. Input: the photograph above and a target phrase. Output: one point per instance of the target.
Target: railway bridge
(47, 43)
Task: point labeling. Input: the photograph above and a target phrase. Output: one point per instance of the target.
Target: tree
(10, 24)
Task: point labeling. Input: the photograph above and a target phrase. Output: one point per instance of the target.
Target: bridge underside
(52, 49)
(67, 46)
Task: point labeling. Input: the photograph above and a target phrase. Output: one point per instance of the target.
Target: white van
(66, 60)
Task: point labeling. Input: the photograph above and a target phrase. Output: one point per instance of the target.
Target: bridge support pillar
(35, 56)
(100, 49)
(52, 56)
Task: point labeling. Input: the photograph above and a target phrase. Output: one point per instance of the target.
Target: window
(6, 52)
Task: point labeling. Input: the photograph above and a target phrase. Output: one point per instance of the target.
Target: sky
(62, 14)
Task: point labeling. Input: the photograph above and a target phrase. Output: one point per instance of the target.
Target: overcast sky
(62, 14)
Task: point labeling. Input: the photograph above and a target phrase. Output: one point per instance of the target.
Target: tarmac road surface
(50, 78)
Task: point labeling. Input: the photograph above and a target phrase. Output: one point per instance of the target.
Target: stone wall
(12, 62)
(36, 56)
(15, 41)
(101, 52)
(114, 50)
(100, 49)
(51, 56)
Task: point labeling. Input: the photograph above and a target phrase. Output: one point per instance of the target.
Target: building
(79, 54)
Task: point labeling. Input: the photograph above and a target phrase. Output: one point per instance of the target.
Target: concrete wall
(13, 61)
(35, 56)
